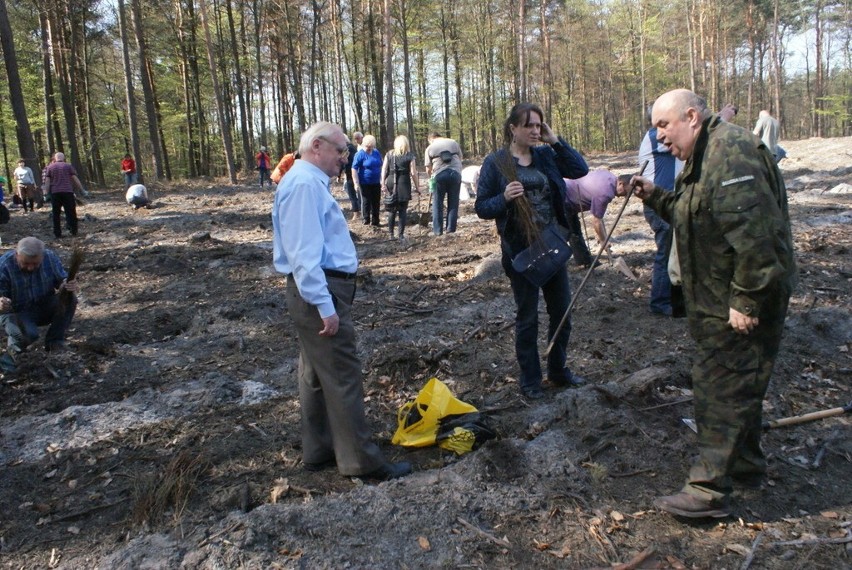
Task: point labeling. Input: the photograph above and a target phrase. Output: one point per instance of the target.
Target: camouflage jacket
(729, 211)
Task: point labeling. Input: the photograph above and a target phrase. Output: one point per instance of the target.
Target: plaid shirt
(60, 174)
(27, 289)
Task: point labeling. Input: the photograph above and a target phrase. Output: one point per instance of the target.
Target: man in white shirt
(767, 128)
(137, 196)
(317, 255)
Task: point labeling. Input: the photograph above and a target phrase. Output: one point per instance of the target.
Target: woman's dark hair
(519, 115)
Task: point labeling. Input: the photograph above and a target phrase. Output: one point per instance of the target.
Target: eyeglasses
(342, 150)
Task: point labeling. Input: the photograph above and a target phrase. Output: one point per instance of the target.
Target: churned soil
(168, 436)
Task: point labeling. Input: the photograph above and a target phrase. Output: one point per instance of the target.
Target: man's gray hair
(30, 247)
(320, 130)
(59, 157)
(696, 102)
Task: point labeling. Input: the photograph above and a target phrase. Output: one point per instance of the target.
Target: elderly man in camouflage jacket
(732, 229)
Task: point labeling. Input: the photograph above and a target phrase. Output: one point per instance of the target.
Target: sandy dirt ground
(168, 436)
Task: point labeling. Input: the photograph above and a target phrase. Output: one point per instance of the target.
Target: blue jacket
(368, 166)
(556, 161)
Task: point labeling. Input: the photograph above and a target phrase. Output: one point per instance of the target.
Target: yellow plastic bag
(436, 416)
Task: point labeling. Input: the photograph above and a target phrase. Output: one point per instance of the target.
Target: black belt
(339, 274)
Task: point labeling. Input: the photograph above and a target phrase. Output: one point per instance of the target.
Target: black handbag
(391, 202)
(540, 261)
(390, 178)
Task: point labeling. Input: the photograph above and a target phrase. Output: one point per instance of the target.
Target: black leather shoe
(321, 466)
(389, 471)
(533, 393)
(571, 381)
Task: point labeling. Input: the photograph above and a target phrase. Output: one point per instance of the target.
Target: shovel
(789, 421)
(622, 266)
(618, 262)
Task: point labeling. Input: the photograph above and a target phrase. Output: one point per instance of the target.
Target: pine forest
(193, 88)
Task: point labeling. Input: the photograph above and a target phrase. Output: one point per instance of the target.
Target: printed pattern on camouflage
(729, 212)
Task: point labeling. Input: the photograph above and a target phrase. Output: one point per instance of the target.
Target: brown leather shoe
(686, 505)
(752, 481)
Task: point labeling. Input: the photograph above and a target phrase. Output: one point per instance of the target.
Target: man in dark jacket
(732, 229)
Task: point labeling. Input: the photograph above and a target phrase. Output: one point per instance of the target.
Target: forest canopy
(194, 88)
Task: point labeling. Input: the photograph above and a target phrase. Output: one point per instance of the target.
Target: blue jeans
(129, 179)
(447, 184)
(354, 199)
(557, 297)
(661, 286)
(22, 327)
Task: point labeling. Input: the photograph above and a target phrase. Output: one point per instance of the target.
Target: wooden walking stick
(790, 420)
(591, 267)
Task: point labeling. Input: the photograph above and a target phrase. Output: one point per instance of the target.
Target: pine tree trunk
(97, 162)
(147, 92)
(406, 70)
(192, 146)
(24, 135)
(224, 127)
(238, 77)
(388, 57)
(59, 47)
(51, 121)
(129, 92)
(339, 55)
(261, 101)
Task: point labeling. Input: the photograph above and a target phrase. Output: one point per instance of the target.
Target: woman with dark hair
(521, 189)
(367, 175)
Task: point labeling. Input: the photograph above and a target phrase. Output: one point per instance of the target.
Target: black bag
(447, 156)
(390, 179)
(391, 202)
(540, 261)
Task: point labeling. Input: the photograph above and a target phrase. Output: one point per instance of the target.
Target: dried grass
(155, 493)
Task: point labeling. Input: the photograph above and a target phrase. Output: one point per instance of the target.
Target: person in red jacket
(262, 160)
(128, 168)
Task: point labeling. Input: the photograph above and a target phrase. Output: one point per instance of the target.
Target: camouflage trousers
(730, 376)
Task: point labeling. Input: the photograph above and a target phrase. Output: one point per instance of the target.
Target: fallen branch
(630, 474)
(84, 512)
(460, 291)
(52, 371)
(473, 333)
(498, 541)
(419, 292)
(747, 562)
(658, 406)
(304, 490)
(214, 536)
(634, 562)
(410, 309)
(813, 541)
